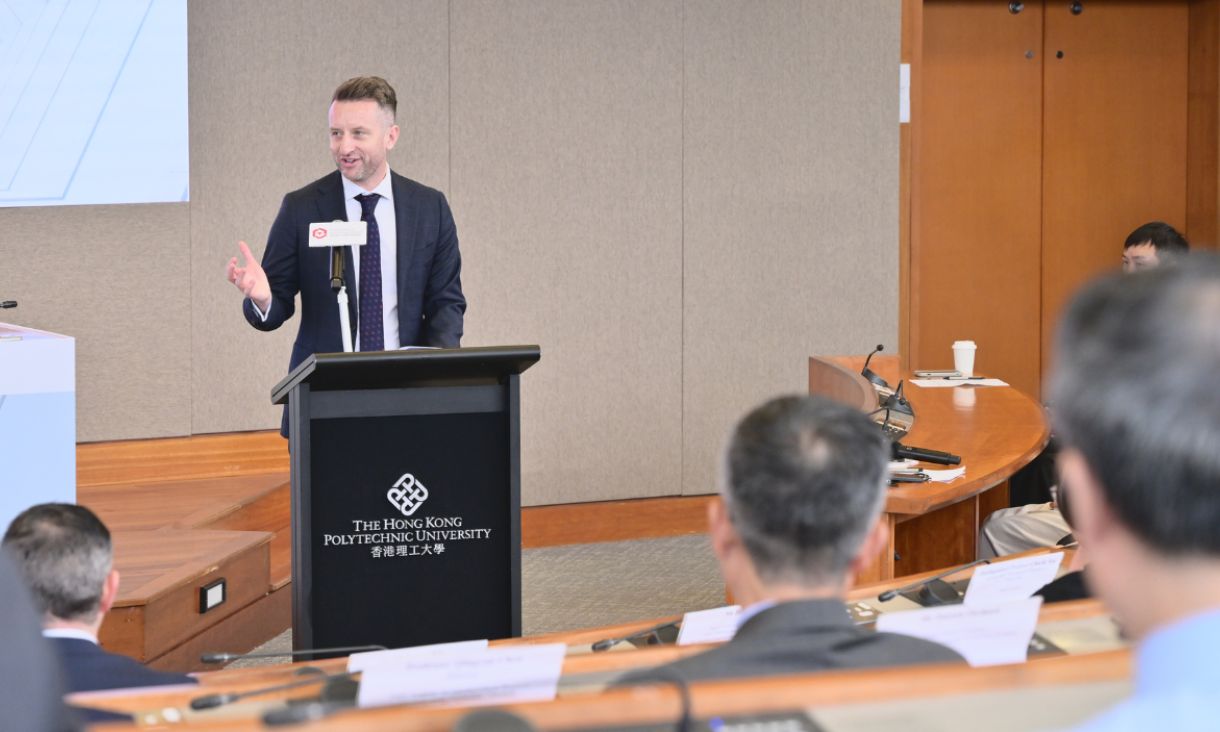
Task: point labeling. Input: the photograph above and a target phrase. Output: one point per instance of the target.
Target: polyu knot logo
(408, 494)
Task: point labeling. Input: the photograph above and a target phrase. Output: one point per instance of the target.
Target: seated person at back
(798, 515)
(1152, 245)
(64, 554)
(1021, 528)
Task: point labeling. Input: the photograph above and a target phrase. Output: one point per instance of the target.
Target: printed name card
(494, 675)
(709, 626)
(361, 661)
(1016, 579)
(985, 635)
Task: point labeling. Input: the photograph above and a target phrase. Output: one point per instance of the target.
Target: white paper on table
(1016, 579)
(904, 465)
(953, 383)
(361, 661)
(985, 635)
(709, 626)
(945, 476)
(497, 675)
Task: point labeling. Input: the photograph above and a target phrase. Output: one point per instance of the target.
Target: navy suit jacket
(90, 668)
(431, 306)
(32, 689)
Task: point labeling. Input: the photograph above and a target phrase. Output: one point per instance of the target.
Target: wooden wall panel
(975, 217)
(1203, 121)
(1114, 142)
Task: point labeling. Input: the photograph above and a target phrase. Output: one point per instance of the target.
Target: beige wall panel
(261, 77)
(117, 278)
(791, 202)
(566, 187)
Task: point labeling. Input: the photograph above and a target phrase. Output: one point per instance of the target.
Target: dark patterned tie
(372, 329)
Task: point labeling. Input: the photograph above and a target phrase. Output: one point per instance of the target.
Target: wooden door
(1114, 136)
(1041, 139)
(976, 188)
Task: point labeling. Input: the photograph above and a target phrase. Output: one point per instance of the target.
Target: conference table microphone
(6, 304)
(339, 651)
(211, 701)
(933, 590)
(871, 375)
(652, 634)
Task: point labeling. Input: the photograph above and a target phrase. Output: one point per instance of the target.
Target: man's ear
(1092, 517)
(720, 529)
(110, 591)
(875, 542)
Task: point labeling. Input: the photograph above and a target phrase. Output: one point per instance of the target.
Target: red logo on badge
(319, 232)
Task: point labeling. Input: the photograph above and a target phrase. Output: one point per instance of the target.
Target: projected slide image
(93, 102)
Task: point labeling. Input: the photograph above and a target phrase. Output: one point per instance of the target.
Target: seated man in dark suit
(32, 693)
(64, 553)
(798, 515)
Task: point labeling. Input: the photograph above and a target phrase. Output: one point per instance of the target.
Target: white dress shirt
(69, 633)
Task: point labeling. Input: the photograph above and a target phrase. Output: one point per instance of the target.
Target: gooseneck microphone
(891, 594)
(897, 402)
(211, 701)
(649, 633)
(871, 375)
(342, 650)
(6, 304)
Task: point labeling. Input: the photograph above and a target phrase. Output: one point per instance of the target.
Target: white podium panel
(37, 419)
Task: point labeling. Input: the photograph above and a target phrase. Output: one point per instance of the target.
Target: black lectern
(406, 495)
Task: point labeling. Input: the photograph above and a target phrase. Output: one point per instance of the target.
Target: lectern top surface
(9, 330)
(406, 368)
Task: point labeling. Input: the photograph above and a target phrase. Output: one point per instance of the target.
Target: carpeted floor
(587, 585)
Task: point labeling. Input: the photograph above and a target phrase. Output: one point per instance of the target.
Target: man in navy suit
(65, 557)
(408, 285)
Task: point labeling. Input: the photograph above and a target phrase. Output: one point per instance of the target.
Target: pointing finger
(245, 250)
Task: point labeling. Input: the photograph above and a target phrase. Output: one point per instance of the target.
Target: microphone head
(211, 701)
(604, 644)
(887, 595)
(880, 347)
(215, 657)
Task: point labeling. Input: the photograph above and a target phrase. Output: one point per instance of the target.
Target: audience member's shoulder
(90, 668)
(907, 649)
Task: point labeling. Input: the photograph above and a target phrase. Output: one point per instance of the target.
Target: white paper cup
(963, 357)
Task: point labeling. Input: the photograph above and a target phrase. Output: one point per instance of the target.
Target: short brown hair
(368, 87)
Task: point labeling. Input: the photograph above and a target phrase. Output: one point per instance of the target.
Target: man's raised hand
(250, 278)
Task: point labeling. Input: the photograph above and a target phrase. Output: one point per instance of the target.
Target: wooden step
(161, 574)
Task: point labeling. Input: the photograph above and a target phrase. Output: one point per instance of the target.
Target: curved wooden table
(996, 431)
